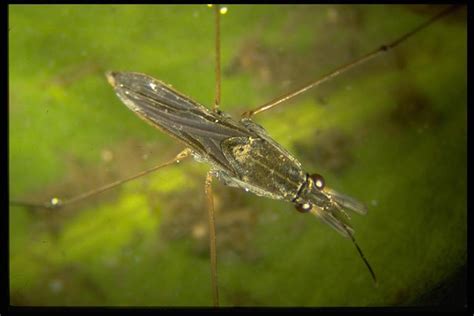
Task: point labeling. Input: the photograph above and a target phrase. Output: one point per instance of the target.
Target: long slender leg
(56, 202)
(346, 67)
(217, 99)
(212, 238)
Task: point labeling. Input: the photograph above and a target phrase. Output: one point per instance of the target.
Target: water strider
(240, 152)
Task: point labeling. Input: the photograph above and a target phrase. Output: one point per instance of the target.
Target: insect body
(240, 153)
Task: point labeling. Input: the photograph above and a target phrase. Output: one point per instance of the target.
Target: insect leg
(382, 49)
(55, 202)
(212, 238)
(217, 99)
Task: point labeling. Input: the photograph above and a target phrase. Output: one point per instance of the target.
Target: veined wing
(174, 113)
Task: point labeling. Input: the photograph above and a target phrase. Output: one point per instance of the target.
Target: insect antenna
(361, 254)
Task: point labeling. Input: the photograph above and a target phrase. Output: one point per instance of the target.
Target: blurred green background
(391, 133)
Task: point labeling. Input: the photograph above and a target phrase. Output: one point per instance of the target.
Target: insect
(127, 67)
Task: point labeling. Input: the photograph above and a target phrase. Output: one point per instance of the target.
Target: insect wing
(177, 115)
(334, 218)
(346, 202)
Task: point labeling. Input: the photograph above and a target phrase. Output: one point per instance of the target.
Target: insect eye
(304, 208)
(318, 180)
